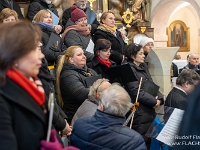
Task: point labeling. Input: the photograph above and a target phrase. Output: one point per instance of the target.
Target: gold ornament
(128, 17)
(91, 5)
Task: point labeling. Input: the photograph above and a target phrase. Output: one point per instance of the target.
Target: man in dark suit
(91, 16)
(185, 83)
(12, 5)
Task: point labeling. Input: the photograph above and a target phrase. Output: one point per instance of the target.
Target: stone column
(159, 61)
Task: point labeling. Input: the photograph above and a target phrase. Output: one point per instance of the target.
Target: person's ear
(97, 96)
(101, 107)
(71, 60)
(133, 57)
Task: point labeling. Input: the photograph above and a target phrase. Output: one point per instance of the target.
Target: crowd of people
(39, 58)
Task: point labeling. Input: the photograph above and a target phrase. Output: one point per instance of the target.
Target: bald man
(193, 62)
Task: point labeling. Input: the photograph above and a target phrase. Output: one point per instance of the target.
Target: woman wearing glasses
(101, 61)
(108, 30)
(77, 32)
(145, 112)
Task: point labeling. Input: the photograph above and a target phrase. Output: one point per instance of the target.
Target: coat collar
(108, 119)
(96, 62)
(12, 92)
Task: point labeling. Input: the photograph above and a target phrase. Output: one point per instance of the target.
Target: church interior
(174, 26)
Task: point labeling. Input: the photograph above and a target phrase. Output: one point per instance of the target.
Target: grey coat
(74, 38)
(87, 108)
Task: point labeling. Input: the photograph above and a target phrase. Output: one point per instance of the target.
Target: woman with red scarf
(101, 61)
(23, 116)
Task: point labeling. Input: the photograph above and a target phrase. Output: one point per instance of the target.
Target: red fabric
(105, 62)
(77, 13)
(27, 85)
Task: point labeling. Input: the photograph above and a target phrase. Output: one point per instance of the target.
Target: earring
(16, 65)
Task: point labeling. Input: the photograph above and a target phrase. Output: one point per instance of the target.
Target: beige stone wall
(162, 16)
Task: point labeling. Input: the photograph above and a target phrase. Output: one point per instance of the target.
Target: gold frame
(105, 5)
(185, 35)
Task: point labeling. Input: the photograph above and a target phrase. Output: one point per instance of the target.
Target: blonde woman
(44, 19)
(70, 79)
(8, 15)
(108, 30)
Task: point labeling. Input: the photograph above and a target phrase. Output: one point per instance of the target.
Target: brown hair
(101, 44)
(64, 58)
(6, 12)
(105, 14)
(40, 16)
(15, 42)
(187, 75)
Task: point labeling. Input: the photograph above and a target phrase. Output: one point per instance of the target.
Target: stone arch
(161, 14)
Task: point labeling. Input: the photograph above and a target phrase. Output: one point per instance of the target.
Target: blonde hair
(6, 12)
(40, 16)
(96, 85)
(105, 14)
(63, 59)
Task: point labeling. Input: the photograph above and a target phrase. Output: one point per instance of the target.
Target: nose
(41, 55)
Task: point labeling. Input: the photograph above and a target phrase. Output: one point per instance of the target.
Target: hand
(53, 144)
(57, 28)
(67, 130)
(56, 45)
(158, 103)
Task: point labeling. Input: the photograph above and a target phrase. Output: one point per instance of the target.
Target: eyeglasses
(99, 85)
(106, 50)
(82, 20)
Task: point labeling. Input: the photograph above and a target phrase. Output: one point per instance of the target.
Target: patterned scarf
(83, 30)
(33, 86)
(107, 28)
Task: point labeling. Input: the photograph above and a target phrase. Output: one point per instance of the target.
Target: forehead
(110, 15)
(78, 50)
(195, 56)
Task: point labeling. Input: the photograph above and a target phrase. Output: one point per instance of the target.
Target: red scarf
(105, 62)
(83, 30)
(29, 86)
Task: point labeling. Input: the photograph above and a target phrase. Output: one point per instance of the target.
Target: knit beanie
(145, 41)
(77, 13)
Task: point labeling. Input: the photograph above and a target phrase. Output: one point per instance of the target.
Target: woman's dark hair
(131, 50)
(16, 40)
(101, 44)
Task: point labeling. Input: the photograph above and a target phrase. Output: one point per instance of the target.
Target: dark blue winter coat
(105, 132)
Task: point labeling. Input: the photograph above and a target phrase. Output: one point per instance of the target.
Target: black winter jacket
(99, 67)
(117, 46)
(23, 124)
(177, 99)
(73, 88)
(13, 6)
(105, 132)
(145, 113)
(38, 5)
(52, 53)
(48, 84)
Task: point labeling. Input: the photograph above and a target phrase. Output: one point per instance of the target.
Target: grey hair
(116, 100)
(96, 85)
